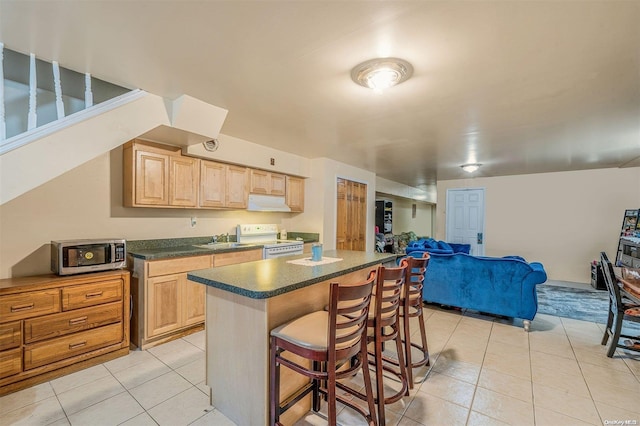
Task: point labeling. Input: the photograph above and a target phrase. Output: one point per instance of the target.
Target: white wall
(561, 219)
(86, 202)
(239, 151)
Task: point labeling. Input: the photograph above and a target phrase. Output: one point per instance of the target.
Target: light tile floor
(485, 371)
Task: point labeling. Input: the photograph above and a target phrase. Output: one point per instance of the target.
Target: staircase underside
(45, 157)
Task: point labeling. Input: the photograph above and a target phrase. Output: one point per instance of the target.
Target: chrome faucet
(223, 238)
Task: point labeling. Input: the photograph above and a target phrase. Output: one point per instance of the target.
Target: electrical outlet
(193, 222)
(273, 161)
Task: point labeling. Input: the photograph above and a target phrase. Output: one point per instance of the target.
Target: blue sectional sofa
(437, 247)
(500, 286)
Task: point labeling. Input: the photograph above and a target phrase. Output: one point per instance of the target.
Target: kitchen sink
(217, 246)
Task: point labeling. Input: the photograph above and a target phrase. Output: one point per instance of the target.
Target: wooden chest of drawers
(52, 325)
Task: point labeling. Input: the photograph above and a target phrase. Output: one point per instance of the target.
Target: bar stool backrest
(387, 294)
(349, 310)
(414, 279)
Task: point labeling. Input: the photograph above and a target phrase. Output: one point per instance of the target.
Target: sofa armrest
(536, 276)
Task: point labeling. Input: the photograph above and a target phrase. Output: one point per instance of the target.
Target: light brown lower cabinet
(52, 325)
(166, 305)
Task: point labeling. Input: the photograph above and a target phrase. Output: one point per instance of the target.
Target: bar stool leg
(379, 374)
(407, 346)
(401, 361)
(275, 386)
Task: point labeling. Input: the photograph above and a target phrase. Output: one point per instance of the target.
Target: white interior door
(465, 218)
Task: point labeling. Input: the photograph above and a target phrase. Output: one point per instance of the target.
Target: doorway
(351, 218)
(465, 218)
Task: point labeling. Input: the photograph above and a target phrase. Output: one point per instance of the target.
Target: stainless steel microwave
(79, 256)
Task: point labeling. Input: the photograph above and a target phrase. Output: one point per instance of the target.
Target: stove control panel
(257, 229)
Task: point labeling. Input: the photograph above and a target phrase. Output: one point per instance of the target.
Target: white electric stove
(267, 235)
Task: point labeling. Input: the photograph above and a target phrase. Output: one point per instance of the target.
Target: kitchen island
(244, 302)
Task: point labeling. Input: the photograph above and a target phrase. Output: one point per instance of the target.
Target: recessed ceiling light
(381, 73)
(470, 168)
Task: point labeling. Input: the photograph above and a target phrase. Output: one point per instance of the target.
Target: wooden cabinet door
(351, 215)
(164, 300)
(295, 194)
(237, 187)
(278, 184)
(358, 217)
(193, 302)
(183, 177)
(341, 218)
(152, 179)
(213, 184)
(260, 182)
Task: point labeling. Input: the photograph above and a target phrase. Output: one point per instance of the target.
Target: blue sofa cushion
(444, 246)
(460, 248)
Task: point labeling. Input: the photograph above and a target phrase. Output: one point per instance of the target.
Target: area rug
(577, 303)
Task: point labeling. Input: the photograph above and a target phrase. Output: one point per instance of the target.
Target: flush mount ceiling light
(470, 168)
(381, 73)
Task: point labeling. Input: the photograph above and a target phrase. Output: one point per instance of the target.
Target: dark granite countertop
(263, 279)
(165, 248)
(306, 237)
(180, 251)
(178, 247)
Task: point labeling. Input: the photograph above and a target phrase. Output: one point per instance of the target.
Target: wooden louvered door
(351, 215)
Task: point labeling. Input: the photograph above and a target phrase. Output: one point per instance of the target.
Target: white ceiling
(521, 87)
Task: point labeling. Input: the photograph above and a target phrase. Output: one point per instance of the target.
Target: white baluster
(32, 118)
(58, 89)
(3, 126)
(88, 94)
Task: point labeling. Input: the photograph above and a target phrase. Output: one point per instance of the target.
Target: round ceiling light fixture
(381, 73)
(470, 168)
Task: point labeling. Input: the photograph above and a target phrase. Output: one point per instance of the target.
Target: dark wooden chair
(411, 307)
(335, 343)
(384, 326)
(620, 310)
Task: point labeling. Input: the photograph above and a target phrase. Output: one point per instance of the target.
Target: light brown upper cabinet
(237, 187)
(183, 181)
(295, 193)
(213, 184)
(158, 175)
(267, 183)
(223, 185)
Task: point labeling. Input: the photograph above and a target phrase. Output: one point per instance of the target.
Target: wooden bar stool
(411, 307)
(330, 340)
(384, 326)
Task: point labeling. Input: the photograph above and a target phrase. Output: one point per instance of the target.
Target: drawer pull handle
(94, 294)
(20, 308)
(77, 321)
(77, 345)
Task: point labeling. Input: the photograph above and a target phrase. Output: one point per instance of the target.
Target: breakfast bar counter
(244, 302)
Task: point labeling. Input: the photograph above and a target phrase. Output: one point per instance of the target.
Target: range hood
(267, 203)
